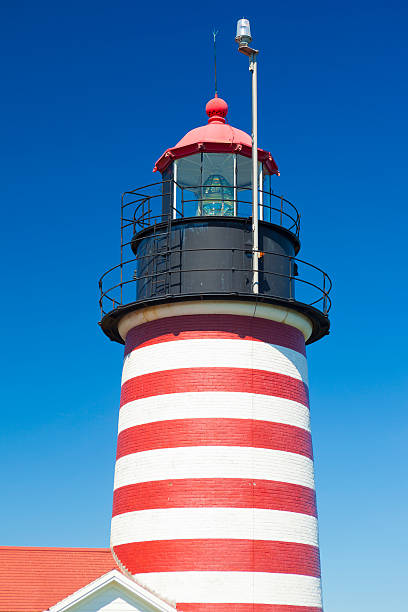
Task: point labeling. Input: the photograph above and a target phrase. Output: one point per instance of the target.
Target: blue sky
(92, 93)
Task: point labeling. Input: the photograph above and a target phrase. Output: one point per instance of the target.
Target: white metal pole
(255, 240)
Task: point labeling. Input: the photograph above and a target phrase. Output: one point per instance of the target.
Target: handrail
(323, 288)
(141, 277)
(143, 199)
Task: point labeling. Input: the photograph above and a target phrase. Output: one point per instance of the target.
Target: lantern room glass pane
(209, 179)
(244, 172)
(244, 186)
(211, 184)
(189, 171)
(218, 164)
(217, 192)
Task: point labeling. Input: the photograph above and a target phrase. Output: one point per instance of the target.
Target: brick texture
(258, 472)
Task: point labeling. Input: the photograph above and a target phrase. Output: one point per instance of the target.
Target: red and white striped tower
(214, 500)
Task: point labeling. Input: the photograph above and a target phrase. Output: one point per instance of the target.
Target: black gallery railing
(183, 272)
(169, 200)
(161, 270)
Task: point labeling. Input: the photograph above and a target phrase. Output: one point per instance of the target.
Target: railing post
(290, 278)
(235, 187)
(174, 215)
(101, 298)
(200, 203)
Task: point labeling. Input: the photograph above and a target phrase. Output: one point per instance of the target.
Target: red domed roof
(215, 137)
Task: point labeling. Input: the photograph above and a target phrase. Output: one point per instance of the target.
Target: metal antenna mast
(215, 33)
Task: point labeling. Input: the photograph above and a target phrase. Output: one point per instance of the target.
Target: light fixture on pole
(243, 38)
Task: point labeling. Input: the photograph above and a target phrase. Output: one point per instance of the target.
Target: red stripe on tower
(214, 432)
(233, 327)
(219, 555)
(215, 493)
(227, 379)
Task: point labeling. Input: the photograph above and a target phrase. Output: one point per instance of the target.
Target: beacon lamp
(217, 198)
(243, 38)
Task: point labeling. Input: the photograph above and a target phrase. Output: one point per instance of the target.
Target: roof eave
(215, 147)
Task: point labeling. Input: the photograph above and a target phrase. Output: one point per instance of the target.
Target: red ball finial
(216, 110)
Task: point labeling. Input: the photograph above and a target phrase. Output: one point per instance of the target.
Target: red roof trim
(215, 147)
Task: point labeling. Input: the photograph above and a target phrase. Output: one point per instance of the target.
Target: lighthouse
(214, 504)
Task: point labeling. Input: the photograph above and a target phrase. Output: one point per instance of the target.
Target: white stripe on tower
(235, 523)
(206, 353)
(214, 504)
(238, 587)
(214, 462)
(211, 405)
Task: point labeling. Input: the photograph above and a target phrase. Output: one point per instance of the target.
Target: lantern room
(190, 234)
(210, 168)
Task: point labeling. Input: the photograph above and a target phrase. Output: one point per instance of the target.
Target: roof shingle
(33, 579)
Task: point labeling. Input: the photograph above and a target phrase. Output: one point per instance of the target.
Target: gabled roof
(113, 585)
(34, 579)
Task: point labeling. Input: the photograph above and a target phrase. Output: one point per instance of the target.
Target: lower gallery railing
(182, 272)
